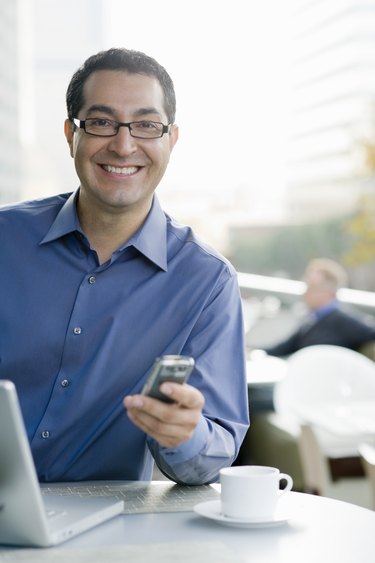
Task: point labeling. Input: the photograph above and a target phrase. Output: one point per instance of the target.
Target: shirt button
(77, 330)
(65, 383)
(92, 279)
(45, 434)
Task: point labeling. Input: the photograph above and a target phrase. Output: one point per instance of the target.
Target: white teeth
(125, 171)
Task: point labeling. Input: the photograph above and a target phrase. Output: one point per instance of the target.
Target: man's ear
(173, 136)
(69, 133)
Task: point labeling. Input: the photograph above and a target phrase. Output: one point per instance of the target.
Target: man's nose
(123, 142)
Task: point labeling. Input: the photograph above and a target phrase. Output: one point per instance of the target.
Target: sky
(229, 62)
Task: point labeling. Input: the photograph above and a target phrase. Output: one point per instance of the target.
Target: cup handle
(289, 483)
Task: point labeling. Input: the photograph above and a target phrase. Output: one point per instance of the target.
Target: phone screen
(167, 368)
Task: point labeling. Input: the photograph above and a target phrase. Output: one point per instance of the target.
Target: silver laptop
(25, 517)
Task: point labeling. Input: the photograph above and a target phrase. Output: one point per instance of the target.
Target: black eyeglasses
(102, 127)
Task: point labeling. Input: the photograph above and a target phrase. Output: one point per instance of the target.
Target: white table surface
(262, 369)
(347, 418)
(341, 427)
(319, 530)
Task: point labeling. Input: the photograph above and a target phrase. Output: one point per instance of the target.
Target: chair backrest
(367, 455)
(324, 374)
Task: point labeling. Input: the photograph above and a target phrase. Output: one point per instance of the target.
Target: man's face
(120, 172)
(319, 291)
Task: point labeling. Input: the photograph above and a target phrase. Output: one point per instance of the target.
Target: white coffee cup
(251, 492)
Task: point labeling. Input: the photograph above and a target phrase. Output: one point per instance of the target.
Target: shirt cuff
(189, 449)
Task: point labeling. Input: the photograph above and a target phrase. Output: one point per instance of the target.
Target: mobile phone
(172, 368)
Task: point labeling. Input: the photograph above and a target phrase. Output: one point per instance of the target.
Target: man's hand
(170, 424)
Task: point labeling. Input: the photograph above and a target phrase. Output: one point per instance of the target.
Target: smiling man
(98, 282)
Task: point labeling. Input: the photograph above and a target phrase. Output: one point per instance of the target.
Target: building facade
(332, 105)
(10, 146)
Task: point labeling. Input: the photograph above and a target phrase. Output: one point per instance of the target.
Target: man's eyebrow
(102, 109)
(147, 111)
(141, 112)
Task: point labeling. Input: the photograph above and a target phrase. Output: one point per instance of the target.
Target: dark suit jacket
(337, 328)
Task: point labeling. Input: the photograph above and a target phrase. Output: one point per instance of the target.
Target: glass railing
(291, 288)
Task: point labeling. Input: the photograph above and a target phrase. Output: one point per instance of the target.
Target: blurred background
(276, 107)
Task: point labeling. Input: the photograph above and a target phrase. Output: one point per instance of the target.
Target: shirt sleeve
(217, 344)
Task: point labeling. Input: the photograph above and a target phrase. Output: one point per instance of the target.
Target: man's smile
(125, 171)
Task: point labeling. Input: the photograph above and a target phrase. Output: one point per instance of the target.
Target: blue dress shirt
(77, 336)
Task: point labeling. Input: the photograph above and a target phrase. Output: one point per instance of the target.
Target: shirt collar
(150, 239)
(65, 222)
(326, 309)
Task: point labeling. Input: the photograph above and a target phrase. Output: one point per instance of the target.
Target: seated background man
(327, 322)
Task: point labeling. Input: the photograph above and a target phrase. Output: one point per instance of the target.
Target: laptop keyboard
(140, 496)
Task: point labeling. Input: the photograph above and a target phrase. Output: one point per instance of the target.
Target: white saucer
(212, 509)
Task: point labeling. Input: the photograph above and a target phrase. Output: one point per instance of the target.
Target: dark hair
(134, 62)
